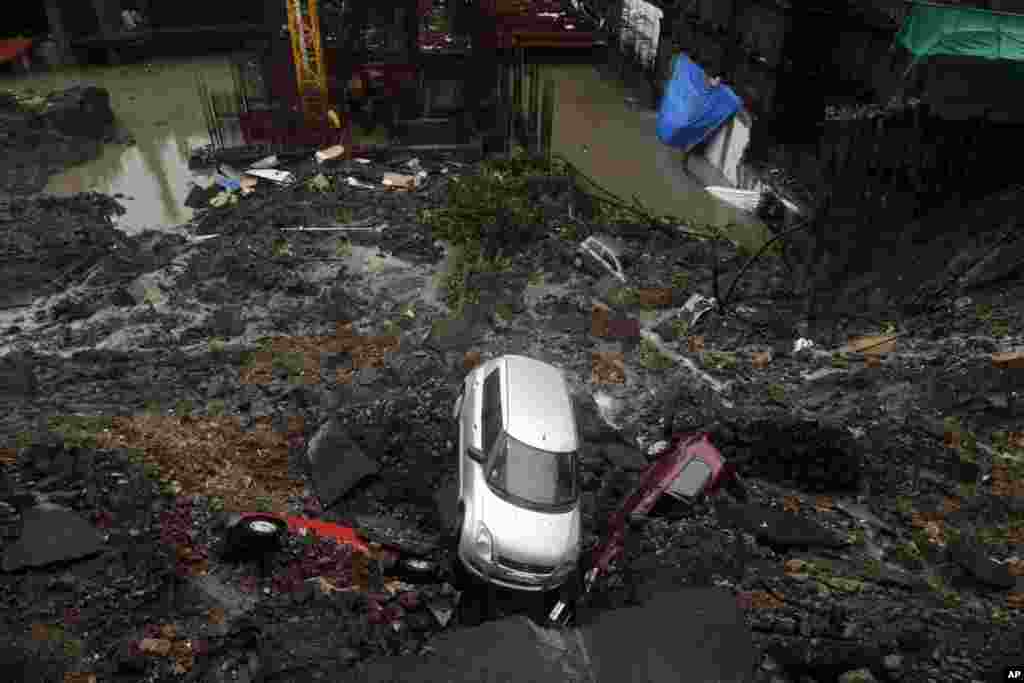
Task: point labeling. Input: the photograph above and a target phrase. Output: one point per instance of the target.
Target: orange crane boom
(307, 55)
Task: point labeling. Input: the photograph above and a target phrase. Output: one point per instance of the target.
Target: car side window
(492, 410)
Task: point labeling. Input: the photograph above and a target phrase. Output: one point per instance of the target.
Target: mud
(213, 363)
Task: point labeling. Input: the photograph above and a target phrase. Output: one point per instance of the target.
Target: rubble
(260, 380)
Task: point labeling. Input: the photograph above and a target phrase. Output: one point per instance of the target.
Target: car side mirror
(475, 454)
(457, 408)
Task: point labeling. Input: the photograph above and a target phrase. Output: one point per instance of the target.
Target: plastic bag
(691, 110)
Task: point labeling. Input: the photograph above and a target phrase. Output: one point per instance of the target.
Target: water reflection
(157, 104)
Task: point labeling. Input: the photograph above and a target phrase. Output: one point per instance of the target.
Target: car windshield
(539, 478)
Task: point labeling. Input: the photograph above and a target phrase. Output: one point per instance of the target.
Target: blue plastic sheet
(691, 110)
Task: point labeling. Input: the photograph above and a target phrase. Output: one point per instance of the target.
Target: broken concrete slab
(981, 566)
(337, 461)
(776, 527)
(497, 651)
(51, 534)
(395, 533)
(698, 630)
(625, 457)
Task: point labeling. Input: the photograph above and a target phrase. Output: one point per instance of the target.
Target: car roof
(537, 406)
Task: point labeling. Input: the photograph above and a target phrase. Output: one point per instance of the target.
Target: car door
(470, 429)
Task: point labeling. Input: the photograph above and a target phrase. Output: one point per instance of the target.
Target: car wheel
(264, 528)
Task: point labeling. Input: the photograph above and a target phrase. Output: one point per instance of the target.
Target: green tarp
(934, 30)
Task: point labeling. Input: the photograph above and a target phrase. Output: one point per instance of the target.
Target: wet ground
(878, 537)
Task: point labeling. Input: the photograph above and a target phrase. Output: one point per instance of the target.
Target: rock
(858, 676)
(981, 567)
(778, 528)
(700, 631)
(337, 461)
(51, 535)
(893, 663)
(625, 457)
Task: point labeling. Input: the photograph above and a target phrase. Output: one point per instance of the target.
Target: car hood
(529, 536)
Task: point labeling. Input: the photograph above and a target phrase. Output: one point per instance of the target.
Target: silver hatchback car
(518, 523)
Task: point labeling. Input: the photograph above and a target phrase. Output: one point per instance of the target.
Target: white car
(518, 521)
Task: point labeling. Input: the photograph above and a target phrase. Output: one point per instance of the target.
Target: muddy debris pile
(253, 367)
(44, 134)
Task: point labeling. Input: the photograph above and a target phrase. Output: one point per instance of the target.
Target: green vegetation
(215, 408)
(623, 296)
(183, 407)
(217, 504)
(904, 505)
(967, 490)
(1000, 616)
(264, 504)
(651, 358)
(79, 430)
(293, 362)
(343, 214)
(568, 232)
(872, 568)
(680, 328)
(343, 248)
(478, 204)
(24, 439)
(857, 537)
(908, 552)
(391, 328)
(73, 648)
(318, 183)
(719, 360)
(536, 278)
(216, 345)
(984, 312)
(281, 247)
(839, 360)
(949, 597)
(504, 311)
(776, 392)
(680, 280)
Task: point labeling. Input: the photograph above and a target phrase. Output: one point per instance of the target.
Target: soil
(210, 364)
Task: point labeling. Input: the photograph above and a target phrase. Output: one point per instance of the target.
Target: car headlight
(484, 544)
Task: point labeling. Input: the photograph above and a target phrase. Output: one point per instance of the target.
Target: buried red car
(689, 468)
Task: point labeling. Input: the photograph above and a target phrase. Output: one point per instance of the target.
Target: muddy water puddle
(157, 104)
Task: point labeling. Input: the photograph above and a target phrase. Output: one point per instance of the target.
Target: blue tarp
(691, 110)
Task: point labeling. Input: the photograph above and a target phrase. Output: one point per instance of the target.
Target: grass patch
(216, 345)
(568, 232)
(318, 183)
(967, 490)
(536, 278)
(343, 214)
(857, 537)
(776, 392)
(872, 568)
(839, 360)
(651, 358)
(504, 311)
(183, 407)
